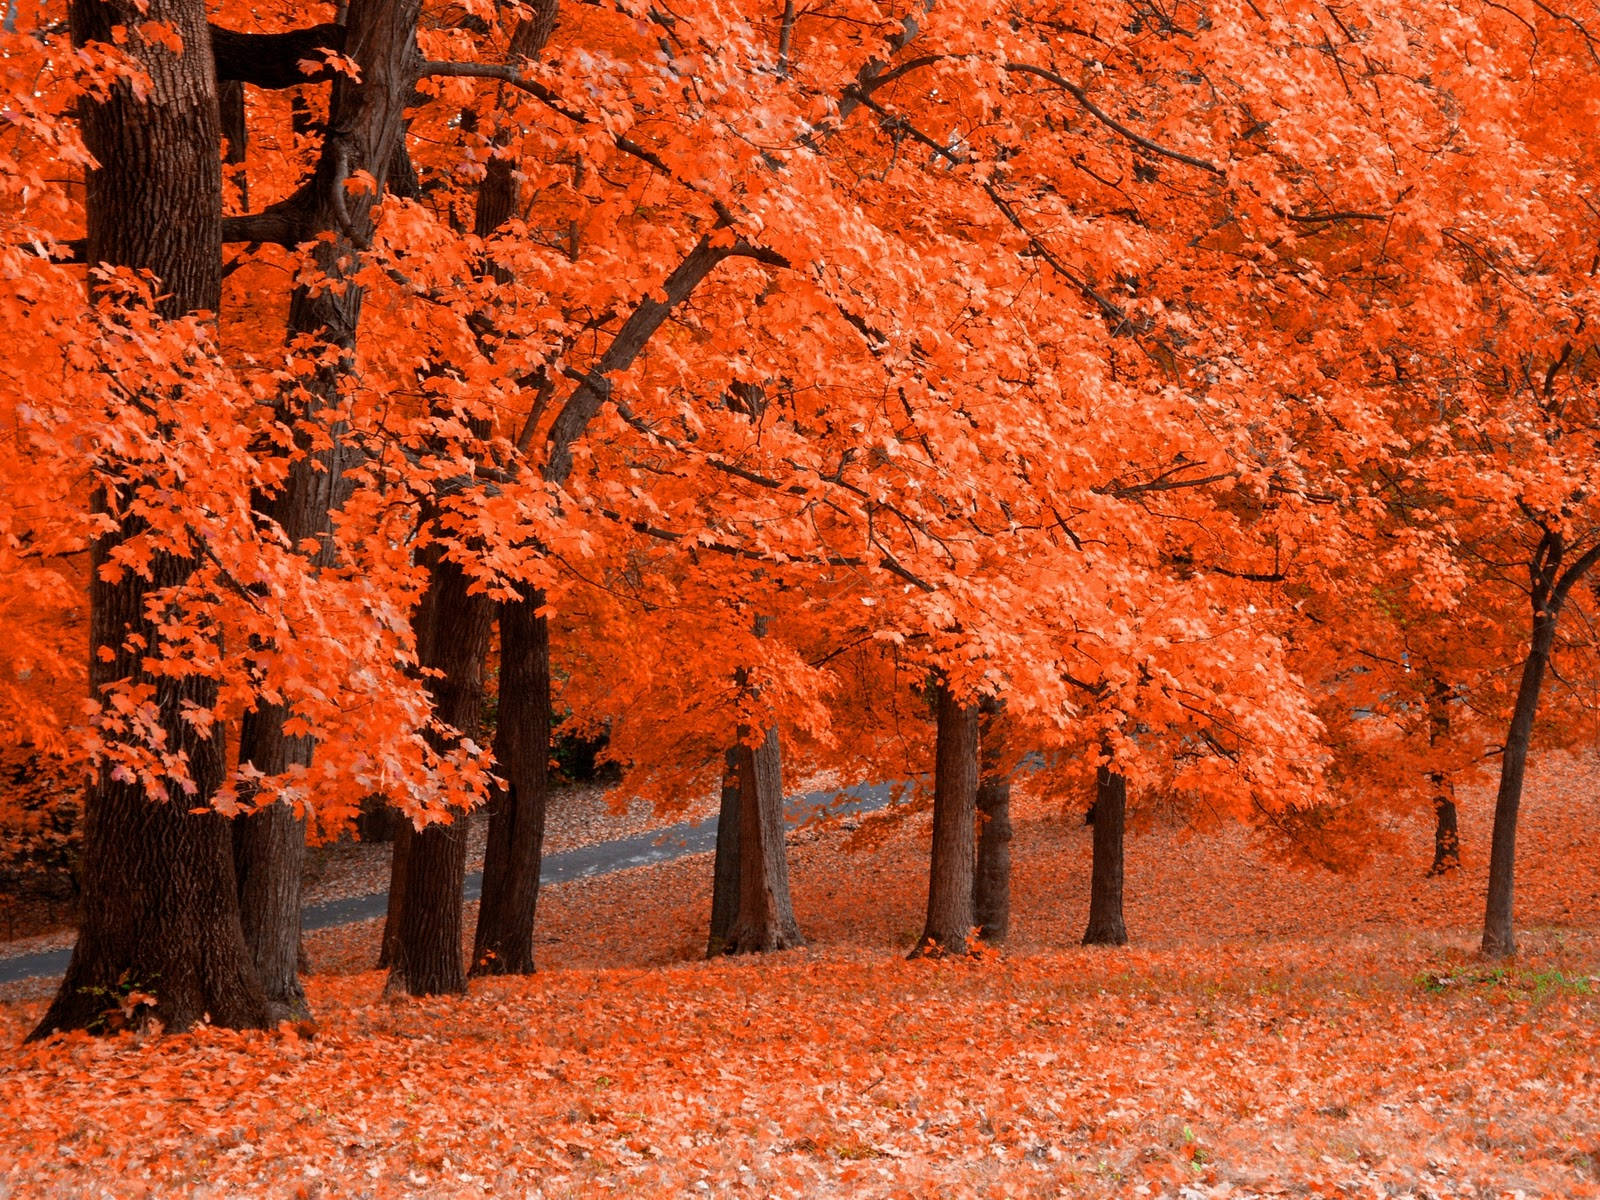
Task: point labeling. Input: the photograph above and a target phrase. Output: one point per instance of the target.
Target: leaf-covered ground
(1272, 1033)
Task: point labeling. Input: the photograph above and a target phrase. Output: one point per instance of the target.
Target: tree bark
(1499, 935)
(1446, 833)
(725, 867)
(766, 918)
(399, 860)
(366, 131)
(955, 790)
(503, 940)
(1446, 837)
(159, 910)
(503, 943)
(269, 857)
(991, 887)
(452, 626)
(1106, 926)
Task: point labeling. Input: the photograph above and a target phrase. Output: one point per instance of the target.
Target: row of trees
(1198, 394)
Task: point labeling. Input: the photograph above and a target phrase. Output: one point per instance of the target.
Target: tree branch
(272, 60)
(1110, 122)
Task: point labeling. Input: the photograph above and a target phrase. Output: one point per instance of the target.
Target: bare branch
(1110, 122)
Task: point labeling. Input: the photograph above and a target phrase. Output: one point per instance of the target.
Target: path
(601, 858)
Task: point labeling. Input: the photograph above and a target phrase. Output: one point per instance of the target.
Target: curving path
(601, 858)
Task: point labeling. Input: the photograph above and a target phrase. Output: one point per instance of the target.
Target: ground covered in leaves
(1272, 1032)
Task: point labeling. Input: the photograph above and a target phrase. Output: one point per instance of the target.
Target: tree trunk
(1499, 936)
(991, 887)
(725, 868)
(1106, 927)
(503, 944)
(365, 134)
(269, 856)
(765, 919)
(159, 910)
(1446, 837)
(955, 790)
(399, 860)
(503, 940)
(452, 627)
(1446, 834)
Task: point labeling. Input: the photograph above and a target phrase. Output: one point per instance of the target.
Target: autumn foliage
(1203, 393)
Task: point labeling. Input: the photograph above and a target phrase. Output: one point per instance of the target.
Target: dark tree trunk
(236, 134)
(955, 792)
(366, 133)
(377, 820)
(399, 861)
(1499, 935)
(453, 627)
(1106, 927)
(765, 919)
(725, 868)
(159, 910)
(1446, 837)
(503, 940)
(991, 885)
(1446, 834)
(269, 855)
(503, 944)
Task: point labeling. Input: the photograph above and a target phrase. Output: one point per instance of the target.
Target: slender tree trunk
(725, 868)
(503, 940)
(1499, 935)
(159, 910)
(269, 855)
(1106, 927)
(453, 627)
(503, 944)
(365, 133)
(766, 914)
(1446, 834)
(991, 887)
(955, 792)
(399, 861)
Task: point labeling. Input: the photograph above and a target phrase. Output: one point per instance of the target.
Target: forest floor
(1272, 1032)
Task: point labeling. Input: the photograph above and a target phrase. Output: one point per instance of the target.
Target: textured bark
(1106, 926)
(1499, 934)
(269, 855)
(452, 627)
(725, 867)
(366, 134)
(159, 911)
(955, 790)
(503, 942)
(991, 884)
(766, 918)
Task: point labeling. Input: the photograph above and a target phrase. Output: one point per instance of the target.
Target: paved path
(602, 858)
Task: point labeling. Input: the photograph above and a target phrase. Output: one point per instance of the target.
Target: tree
(160, 918)
(955, 788)
(725, 868)
(991, 883)
(1108, 816)
(503, 941)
